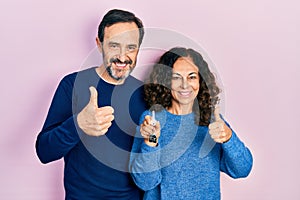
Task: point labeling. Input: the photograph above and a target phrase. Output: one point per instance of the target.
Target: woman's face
(185, 82)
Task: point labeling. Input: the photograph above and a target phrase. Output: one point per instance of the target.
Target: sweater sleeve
(59, 134)
(144, 162)
(236, 158)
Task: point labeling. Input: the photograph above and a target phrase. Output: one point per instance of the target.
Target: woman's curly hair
(158, 87)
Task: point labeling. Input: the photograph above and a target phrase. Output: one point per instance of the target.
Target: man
(93, 115)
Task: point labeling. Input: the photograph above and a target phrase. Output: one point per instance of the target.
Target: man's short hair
(115, 16)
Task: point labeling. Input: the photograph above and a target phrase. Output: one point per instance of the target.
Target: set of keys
(152, 137)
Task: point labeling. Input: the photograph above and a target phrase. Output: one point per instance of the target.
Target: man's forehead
(120, 31)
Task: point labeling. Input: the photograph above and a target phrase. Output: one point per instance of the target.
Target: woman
(179, 152)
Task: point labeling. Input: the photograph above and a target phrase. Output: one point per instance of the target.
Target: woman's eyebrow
(192, 73)
(175, 73)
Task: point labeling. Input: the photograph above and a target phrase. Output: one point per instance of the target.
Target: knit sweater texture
(95, 167)
(186, 164)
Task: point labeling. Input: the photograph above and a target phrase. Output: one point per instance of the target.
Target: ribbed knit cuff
(232, 144)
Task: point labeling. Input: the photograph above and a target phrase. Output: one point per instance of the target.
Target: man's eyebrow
(132, 45)
(117, 43)
(111, 42)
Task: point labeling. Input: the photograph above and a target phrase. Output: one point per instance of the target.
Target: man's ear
(99, 45)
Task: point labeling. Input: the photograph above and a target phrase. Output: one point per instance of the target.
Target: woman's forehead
(184, 65)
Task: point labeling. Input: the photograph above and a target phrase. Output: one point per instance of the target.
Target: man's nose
(122, 54)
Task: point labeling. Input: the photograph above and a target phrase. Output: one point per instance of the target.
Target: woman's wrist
(151, 144)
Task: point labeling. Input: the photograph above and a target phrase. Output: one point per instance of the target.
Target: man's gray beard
(108, 69)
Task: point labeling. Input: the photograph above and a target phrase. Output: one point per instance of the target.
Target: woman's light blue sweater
(187, 162)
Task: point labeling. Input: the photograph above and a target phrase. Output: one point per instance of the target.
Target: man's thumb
(94, 96)
(217, 113)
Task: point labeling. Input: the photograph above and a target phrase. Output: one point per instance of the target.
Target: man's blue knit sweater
(95, 167)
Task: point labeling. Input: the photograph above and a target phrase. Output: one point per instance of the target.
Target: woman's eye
(193, 77)
(176, 78)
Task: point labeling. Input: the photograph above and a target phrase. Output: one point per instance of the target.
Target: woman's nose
(184, 83)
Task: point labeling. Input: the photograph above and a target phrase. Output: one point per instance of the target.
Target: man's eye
(131, 48)
(113, 46)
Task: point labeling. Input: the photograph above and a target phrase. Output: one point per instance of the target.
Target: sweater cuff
(151, 156)
(73, 128)
(147, 149)
(232, 143)
(79, 131)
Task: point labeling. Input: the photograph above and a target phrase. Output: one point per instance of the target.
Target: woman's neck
(178, 109)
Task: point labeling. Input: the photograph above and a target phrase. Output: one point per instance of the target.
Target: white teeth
(184, 93)
(121, 64)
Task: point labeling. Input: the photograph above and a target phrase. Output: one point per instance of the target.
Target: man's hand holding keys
(95, 121)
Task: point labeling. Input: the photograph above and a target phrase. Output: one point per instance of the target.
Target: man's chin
(118, 76)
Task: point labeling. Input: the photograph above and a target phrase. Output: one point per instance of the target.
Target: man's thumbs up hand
(218, 130)
(93, 97)
(92, 120)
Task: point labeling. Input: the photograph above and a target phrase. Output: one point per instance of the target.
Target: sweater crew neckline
(183, 115)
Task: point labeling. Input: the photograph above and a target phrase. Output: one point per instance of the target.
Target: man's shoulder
(131, 80)
(70, 76)
(85, 73)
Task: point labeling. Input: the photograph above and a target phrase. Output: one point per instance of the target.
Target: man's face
(120, 48)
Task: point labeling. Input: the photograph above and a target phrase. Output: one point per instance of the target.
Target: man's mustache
(116, 60)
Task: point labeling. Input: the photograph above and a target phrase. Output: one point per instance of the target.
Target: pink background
(254, 44)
